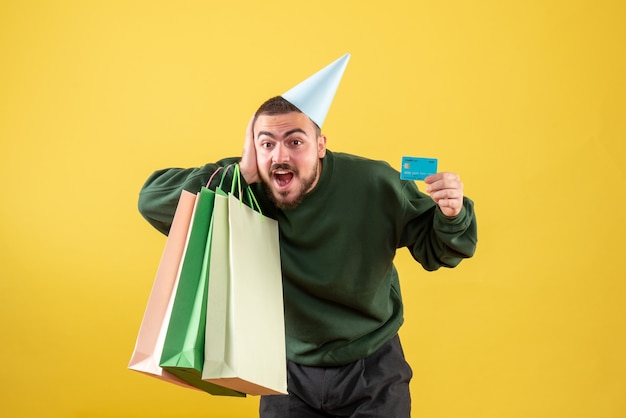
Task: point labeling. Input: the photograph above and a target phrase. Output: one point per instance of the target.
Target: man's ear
(321, 146)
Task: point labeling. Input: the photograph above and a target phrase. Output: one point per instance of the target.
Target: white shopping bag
(245, 335)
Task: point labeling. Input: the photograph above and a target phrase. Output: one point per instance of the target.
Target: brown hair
(279, 106)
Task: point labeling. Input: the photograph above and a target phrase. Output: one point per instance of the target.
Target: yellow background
(525, 99)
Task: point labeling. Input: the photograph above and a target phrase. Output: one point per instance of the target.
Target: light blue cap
(314, 95)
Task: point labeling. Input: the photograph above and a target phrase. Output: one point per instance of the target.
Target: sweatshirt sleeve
(159, 195)
(436, 240)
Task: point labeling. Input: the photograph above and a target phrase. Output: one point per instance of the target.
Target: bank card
(416, 168)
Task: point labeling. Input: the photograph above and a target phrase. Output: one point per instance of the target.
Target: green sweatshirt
(341, 290)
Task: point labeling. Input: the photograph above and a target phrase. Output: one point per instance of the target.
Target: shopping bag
(183, 348)
(149, 344)
(217, 294)
(245, 336)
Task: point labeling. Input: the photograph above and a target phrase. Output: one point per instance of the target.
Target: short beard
(306, 186)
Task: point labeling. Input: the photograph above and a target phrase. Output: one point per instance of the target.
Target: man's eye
(266, 145)
(296, 142)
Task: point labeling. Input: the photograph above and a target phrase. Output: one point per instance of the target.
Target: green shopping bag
(183, 349)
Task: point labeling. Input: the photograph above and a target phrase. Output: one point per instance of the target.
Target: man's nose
(281, 154)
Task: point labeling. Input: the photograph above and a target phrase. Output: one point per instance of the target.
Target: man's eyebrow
(293, 131)
(271, 135)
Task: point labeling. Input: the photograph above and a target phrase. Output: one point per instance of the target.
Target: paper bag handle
(236, 179)
(224, 176)
(212, 176)
(251, 198)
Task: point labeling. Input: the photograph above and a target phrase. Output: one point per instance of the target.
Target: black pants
(377, 386)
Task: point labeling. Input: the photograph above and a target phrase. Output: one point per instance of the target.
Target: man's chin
(285, 200)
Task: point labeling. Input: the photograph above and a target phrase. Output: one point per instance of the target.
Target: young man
(341, 219)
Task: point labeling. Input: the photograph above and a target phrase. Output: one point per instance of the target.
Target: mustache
(283, 166)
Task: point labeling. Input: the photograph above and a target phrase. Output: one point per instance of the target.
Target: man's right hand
(248, 165)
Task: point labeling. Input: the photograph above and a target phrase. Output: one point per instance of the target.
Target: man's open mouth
(283, 177)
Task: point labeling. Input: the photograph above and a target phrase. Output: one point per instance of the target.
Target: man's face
(288, 156)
